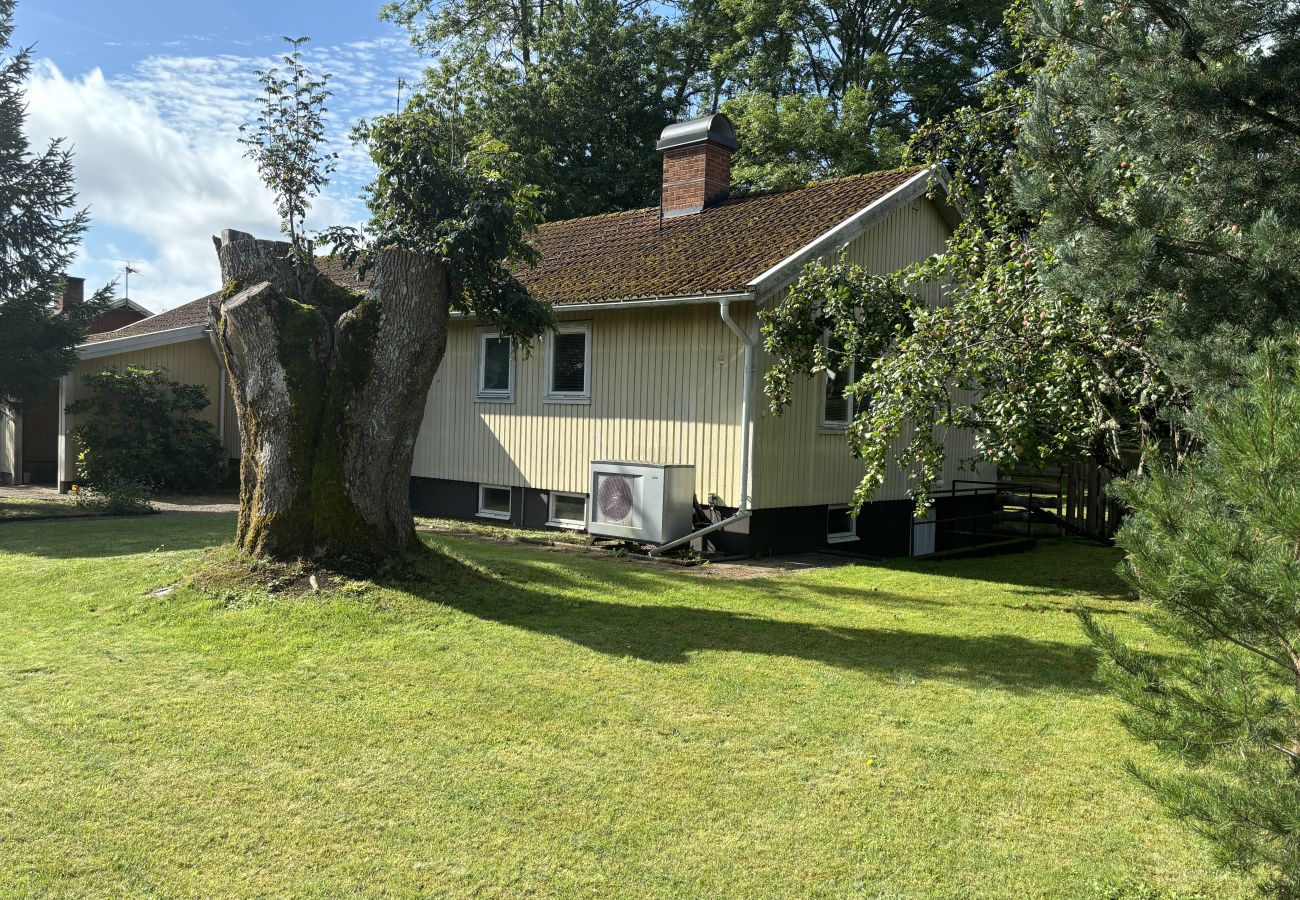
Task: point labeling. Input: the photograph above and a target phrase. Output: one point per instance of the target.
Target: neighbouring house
(29, 437)
(657, 359)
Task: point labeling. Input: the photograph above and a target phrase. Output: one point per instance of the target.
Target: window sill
(569, 526)
(841, 538)
(826, 428)
(500, 517)
(572, 401)
(489, 398)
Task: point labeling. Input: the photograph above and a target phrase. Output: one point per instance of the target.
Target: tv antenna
(127, 271)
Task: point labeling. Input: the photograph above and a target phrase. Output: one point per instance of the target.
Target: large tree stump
(330, 390)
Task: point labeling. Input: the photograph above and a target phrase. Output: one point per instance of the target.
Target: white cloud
(158, 161)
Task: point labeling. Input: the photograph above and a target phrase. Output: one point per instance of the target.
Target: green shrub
(116, 497)
(137, 427)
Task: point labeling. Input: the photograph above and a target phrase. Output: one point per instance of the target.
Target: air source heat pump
(641, 501)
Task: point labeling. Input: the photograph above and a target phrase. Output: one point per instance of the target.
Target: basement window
(493, 501)
(568, 510)
(841, 524)
(568, 364)
(494, 368)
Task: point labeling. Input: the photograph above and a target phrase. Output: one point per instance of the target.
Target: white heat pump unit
(641, 501)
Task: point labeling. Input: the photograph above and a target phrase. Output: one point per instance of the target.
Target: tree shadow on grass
(94, 538)
(545, 602)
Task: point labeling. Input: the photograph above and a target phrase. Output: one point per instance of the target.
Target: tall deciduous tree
(1126, 237)
(851, 81)
(582, 89)
(330, 386)
(41, 231)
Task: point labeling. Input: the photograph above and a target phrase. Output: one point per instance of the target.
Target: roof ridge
(748, 195)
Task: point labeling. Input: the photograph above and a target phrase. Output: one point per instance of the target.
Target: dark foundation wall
(884, 529)
(444, 499)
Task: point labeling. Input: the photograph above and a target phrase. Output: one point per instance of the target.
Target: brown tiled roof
(634, 255)
(630, 255)
(193, 313)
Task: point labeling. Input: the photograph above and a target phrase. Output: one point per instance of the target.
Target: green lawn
(42, 508)
(531, 723)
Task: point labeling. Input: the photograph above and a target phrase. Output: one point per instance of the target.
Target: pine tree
(38, 241)
(1212, 547)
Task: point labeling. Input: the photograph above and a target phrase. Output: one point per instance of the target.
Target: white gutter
(643, 303)
(747, 384)
(96, 349)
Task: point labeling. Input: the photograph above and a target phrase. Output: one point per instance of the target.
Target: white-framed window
(494, 501)
(568, 510)
(841, 524)
(494, 368)
(837, 408)
(568, 363)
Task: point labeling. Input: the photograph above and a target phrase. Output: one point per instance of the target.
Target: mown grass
(12, 508)
(524, 722)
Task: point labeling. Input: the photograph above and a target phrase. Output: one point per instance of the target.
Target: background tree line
(581, 89)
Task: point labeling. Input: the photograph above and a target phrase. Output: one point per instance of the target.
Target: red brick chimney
(697, 164)
(74, 292)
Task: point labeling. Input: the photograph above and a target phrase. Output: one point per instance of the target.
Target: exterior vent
(642, 502)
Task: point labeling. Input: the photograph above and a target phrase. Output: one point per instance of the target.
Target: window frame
(556, 522)
(583, 396)
(851, 402)
(482, 394)
(484, 513)
(841, 537)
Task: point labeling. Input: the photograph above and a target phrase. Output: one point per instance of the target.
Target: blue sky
(151, 95)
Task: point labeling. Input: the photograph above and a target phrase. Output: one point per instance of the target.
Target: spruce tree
(1212, 548)
(38, 240)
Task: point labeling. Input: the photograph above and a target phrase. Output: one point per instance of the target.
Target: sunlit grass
(525, 722)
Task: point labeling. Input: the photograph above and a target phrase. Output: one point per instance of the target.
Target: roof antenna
(127, 271)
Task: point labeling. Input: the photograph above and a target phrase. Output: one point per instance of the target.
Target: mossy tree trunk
(330, 390)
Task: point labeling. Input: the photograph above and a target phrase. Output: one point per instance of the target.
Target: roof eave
(832, 241)
(128, 343)
(641, 302)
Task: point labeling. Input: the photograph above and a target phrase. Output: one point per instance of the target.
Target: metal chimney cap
(715, 129)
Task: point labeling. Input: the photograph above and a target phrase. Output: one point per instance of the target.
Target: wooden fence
(1082, 506)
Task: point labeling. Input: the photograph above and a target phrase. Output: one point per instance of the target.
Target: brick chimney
(74, 292)
(697, 164)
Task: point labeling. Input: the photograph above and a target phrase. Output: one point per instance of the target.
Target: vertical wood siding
(189, 362)
(665, 388)
(796, 461)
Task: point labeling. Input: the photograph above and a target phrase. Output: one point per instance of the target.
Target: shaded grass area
(13, 508)
(511, 721)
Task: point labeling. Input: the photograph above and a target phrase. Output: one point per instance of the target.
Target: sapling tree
(329, 384)
(39, 236)
(1212, 548)
(287, 137)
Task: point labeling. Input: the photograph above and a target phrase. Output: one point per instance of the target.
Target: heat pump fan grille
(614, 499)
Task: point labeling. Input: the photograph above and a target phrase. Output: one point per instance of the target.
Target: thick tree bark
(330, 392)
